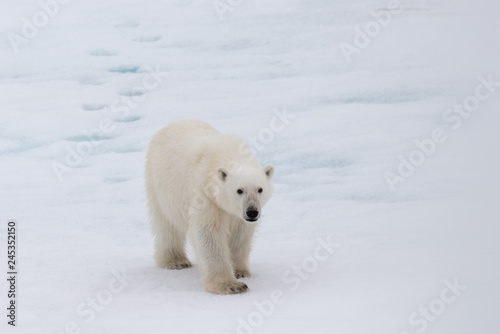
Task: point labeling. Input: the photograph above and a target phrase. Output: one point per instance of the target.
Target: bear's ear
(222, 173)
(269, 169)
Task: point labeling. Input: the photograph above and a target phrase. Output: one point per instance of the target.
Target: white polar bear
(210, 187)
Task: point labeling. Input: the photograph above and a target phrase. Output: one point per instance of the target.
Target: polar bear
(209, 187)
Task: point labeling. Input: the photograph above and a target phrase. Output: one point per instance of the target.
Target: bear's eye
(260, 190)
(239, 191)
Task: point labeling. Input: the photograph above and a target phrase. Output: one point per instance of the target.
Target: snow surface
(349, 124)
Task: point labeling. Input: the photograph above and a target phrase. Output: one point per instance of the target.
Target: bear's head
(244, 190)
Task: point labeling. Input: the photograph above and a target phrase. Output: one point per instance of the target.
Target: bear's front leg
(240, 244)
(213, 252)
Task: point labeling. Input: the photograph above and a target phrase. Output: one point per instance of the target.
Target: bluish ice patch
(131, 93)
(83, 138)
(128, 119)
(307, 160)
(124, 69)
(93, 107)
(289, 165)
(319, 160)
(22, 144)
(9, 145)
(146, 39)
(102, 53)
(388, 97)
(116, 179)
(130, 149)
(381, 196)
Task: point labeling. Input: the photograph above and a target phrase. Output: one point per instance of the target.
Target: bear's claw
(182, 264)
(228, 288)
(242, 273)
(239, 289)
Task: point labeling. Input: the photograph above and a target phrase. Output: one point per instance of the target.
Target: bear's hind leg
(170, 252)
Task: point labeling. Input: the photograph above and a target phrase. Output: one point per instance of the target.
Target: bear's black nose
(252, 214)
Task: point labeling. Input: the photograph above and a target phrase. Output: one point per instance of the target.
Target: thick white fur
(193, 174)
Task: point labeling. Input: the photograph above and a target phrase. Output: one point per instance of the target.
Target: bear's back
(188, 147)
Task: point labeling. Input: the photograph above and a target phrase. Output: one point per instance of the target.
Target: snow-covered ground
(335, 110)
